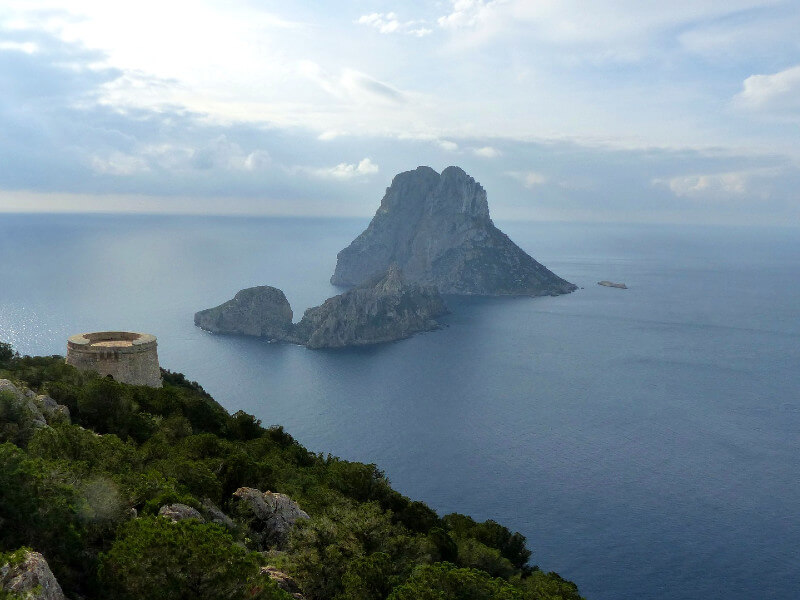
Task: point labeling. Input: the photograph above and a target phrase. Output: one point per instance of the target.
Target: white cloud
(347, 170)
(530, 179)
(361, 87)
(711, 185)
(390, 23)
(447, 145)
(257, 161)
(26, 47)
(486, 152)
(468, 13)
(778, 91)
(117, 163)
(351, 84)
(330, 134)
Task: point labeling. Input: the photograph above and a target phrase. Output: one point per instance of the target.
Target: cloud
(347, 171)
(118, 163)
(329, 135)
(603, 30)
(351, 84)
(447, 145)
(530, 179)
(713, 185)
(468, 13)
(486, 152)
(775, 92)
(222, 153)
(390, 23)
(358, 84)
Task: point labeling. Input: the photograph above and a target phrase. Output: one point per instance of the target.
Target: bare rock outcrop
(39, 410)
(437, 229)
(29, 576)
(270, 515)
(215, 515)
(383, 309)
(180, 512)
(612, 284)
(261, 311)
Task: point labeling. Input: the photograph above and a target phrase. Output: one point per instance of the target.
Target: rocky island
(384, 308)
(261, 311)
(611, 284)
(437, 229)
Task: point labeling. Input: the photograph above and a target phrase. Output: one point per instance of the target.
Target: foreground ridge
(161, 493)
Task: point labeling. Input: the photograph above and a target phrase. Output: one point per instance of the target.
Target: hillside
(133, 492)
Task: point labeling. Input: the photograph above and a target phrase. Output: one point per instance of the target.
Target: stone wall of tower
(126, 356)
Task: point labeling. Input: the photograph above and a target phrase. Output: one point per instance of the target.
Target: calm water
(645, 441)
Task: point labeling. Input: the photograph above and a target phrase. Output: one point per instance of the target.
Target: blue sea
(646, 441)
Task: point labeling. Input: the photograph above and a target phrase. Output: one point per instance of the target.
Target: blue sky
(611, 110)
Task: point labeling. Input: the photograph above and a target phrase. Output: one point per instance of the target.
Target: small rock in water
(605, 283)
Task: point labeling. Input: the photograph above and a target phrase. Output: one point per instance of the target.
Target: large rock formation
(270, 516)
(180, 512)
(28, 576)
(438, 230)
(262, 311)
(382, 309)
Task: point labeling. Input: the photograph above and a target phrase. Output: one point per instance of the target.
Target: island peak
(436, 227)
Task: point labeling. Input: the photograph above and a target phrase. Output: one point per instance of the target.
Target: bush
(155, 558)
(444, 581)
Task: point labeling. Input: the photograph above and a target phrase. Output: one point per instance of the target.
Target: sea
(645, 441)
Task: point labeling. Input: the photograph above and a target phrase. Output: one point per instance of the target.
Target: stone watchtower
(126, 356)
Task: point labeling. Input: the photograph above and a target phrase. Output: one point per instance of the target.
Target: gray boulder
(270, 515)
(180, 512)
(437, 229)
(260, 311)
(53, 412)
(29, 576)
(39, 410)
(215, 515)
(23, 403)
(383, 309)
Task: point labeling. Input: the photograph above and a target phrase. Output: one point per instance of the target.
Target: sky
(647, 111)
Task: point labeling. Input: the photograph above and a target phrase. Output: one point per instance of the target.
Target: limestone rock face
(180, 512)
(437, 229)
(39, 410)
(215, 515)
(383, 309)
(271, 515)
(261, 311)
(30, 578)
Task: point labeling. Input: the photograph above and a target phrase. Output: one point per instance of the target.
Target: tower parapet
(126, 356)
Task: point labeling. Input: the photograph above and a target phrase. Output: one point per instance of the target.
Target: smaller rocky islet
(382, 309)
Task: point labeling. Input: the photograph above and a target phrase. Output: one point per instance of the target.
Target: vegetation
(86, 496)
